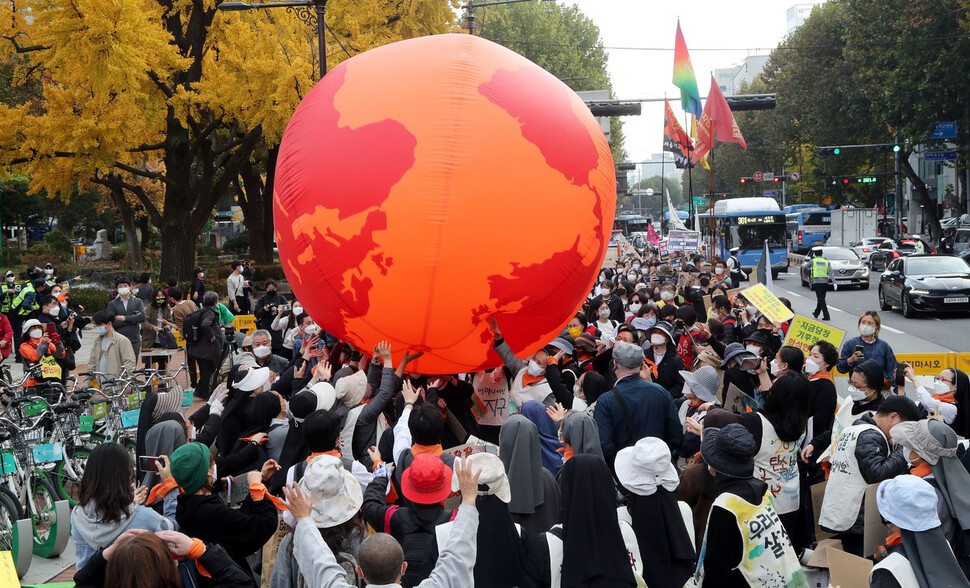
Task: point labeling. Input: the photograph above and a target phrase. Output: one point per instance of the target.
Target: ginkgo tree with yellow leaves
(172, 94)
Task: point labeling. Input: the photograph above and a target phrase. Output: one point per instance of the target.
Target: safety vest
(776, 464)
(846, 487)
(919, 249)
(491, 397)
(820, 268)
(18, 302)
(767, 556)
(900, 568)
(9, 293)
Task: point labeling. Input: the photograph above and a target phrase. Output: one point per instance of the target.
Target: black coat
(668, 370)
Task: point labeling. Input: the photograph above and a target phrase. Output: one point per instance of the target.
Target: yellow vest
(820, 268)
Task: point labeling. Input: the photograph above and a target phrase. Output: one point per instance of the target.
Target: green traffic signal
(836, 151)
(896, 148)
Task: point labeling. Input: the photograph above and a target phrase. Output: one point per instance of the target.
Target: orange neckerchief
(894, 539)
(820, 375)
(567, 453)
(194, 553)
(922, 470)
(248, 439)
(653, 367)
(333, 452)
(528, 379)
(696, 403)
(258, 492)
(162, 489)
(434, 450)
(947, 398)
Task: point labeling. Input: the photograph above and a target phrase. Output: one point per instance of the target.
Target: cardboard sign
(804, 333)
(874, 533)
(245, 323)
(847, 570)
(739, 402)
(707, 306)
(474, 445)
(8, 571)
(762, 298)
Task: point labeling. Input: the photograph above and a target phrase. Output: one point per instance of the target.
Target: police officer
(734, 265)
(821, 278)
(919, 249)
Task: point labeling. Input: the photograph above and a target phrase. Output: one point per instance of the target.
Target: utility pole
(899, 191)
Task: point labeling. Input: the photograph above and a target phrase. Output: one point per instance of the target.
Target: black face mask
(705, 282)
(766, 332)
(270, 292)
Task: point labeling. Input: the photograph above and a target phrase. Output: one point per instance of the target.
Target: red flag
(676, 140)
(652, 235)
(717, 123)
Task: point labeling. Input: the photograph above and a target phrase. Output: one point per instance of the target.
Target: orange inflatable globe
(428, 185)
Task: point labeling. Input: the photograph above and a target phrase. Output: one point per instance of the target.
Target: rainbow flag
(690, 98)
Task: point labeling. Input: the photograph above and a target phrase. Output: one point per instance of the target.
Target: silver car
(865, 247)
(844, 266)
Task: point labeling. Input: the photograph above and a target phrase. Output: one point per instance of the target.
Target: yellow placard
(8, 571)
(928, 364)
(804, 333)
(179, 339)
(245, 323)
(961, 361)
(762, 298)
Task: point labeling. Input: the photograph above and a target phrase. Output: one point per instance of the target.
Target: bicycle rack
(22, 547)
(60, 532)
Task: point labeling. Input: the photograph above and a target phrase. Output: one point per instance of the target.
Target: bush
(92, 298)
(119, 252)
(238, 244)
(60, 246)
(203, 250)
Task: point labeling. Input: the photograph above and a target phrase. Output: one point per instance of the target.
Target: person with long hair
(108, 505)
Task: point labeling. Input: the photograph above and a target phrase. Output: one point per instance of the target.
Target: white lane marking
(790, 293)
(837, 309)
(892, 330)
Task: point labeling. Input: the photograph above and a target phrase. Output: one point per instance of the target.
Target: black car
(925, 283)
(890, 250)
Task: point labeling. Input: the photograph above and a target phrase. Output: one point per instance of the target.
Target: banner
(690, 97)
(675, 222)
(762, 298)
(804, 333)
(717, 123)
(679, 240)
(676, 140)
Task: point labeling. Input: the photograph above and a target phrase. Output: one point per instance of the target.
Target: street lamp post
(470, 16)
(313, 13)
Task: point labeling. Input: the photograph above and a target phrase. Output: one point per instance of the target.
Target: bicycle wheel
(129, 444)
(42, 496)
(68, 485)
(10, 513)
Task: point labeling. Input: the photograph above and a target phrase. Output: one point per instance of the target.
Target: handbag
(165, 339)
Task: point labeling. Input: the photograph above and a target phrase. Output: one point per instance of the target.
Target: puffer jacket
(877, 462)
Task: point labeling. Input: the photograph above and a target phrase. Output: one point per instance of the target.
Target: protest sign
(762, 298)
(474, 445)
(684, 240)
(804, 333)
(739, 402)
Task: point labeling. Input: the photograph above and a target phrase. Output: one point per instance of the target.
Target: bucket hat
(492, 481)
(909, 502)
(646, 465)
(427, 480)
(730, 451)
(703, 383)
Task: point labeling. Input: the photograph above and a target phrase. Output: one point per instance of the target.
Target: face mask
(867, 330)
(651, 322)
(632, 277)
(657, 339)
(101, 329)
(124, 291)
(765, 332)
(297, 310)
(635, 307)
(271, 292)
(201, 276)
(719, 270)
(215, 473)
(10, 279)
(54, 311)
(666, 296)
(36, 333)
(705, 282)
(310, 329)
(160, 301)
(49, 272)
(811, 368)
(856, 394)
(753, 349)
(534, 369)
(262, 352)
(775, 367)
(575, 331)
(941, 388)
(577, 389)
(605, 313)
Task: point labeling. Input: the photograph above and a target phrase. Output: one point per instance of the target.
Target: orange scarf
(820, 375)
(194, 553)
(922, 470)
(653, 367)
(947, 398)
(567, 453)
(333, 452)
(894, 539)
(258, 491)
(528, 379)
(434, 450)
(162, 489)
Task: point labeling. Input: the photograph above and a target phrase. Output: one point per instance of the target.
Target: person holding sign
(43, 349)
(821, 278)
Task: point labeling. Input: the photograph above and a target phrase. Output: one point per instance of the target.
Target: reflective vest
(919, 249)
(9, 292)
(25, 303)
(820, 268)
(767, 556)
(846, 487)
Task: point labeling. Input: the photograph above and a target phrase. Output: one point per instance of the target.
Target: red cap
(427, 480)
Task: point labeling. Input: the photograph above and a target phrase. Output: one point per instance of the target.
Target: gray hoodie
(90, 533)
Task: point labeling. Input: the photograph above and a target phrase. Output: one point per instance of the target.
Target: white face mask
(632, 277)
(657, 339)
(10, 279)
(753, 349)
(605, 313)
(577, 389)
(856, 394)
(36, 333)
(719, 270)
(297, 310)
(124, 291)
(811, 368)
(262, 352)
(534, 369)
(666, 296)
(775, 367)
(867, 330)
(310, 329)
(598, 291)
(635, 307)
(941, 388)
(201, 276)
(54, 311)
(49, 272)
(215, 473)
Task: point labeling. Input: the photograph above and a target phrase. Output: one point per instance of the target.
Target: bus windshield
(749, 237)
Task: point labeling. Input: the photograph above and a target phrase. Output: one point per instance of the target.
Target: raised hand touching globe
(428, 185)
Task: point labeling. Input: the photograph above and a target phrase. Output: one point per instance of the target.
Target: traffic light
(777, 179)
(829, 150)
(743, 180)
(888, 148)
(845, 180)
(836, 151)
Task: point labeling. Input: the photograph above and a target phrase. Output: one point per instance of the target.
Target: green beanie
(190, 466)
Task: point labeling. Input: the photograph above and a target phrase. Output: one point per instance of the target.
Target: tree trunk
(178, 252)
(127, 215)
(919, 186)
(256, 200)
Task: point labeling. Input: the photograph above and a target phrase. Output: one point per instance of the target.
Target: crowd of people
(610, 457)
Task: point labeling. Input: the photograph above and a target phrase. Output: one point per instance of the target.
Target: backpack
(191, 327)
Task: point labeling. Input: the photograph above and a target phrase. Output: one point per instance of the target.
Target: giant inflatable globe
(428, 185)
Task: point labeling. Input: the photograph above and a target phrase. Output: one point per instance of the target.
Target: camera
(285, 307)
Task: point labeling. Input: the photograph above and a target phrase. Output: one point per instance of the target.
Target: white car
(865, 247)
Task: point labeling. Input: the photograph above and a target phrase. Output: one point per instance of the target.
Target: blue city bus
(799, 207)
(808, 228)
(748, 223)
(629, 224)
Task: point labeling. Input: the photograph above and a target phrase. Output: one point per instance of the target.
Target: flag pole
(710, 162)
(690, 178)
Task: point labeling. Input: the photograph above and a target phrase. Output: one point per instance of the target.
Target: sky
(737, 29)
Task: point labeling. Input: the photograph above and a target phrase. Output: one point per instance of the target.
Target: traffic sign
(758, 176)
(768, 176)
(795, 176)
(771, 192)
(940, 155)
(944, 130)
